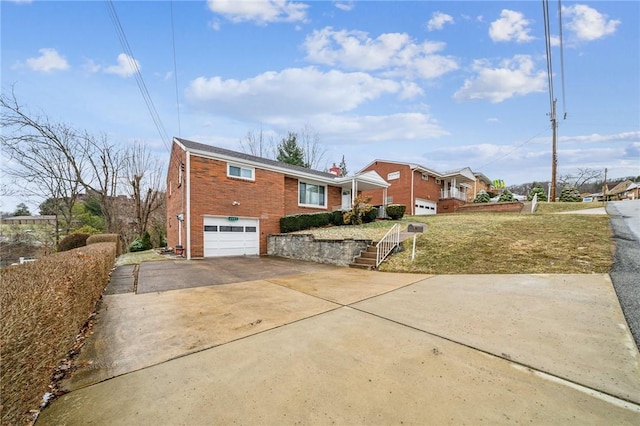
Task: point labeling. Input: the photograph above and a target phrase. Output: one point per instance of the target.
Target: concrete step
(365, 261)
(360, 266)
(369, 254)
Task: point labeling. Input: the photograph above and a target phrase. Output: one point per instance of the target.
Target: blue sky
(442, 84)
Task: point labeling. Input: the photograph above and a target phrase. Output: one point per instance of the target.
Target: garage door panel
(223, 237)
(423, 207)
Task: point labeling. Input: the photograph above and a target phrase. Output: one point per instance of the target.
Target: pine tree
(506, 196)
(570, 194)
(482, 197)
(343, 167)
(537, 189)
(290, 152)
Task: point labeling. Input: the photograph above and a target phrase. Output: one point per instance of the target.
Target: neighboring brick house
(422, 190)
(223, 203)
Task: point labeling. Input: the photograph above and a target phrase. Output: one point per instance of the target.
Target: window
(393, 175)
(210, 228)
(231, 228)
(250, 229)
(390, 199)
(312, 195)
(240, 172)
(425, 176)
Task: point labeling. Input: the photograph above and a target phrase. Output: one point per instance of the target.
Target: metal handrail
(390, 241)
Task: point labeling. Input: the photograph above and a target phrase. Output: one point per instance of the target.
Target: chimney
(335, 170)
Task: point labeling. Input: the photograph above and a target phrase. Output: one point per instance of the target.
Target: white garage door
(230, 236)
(425, 207)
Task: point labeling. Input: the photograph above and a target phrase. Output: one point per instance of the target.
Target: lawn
(485, 243)
(508, 243)
(139, 257)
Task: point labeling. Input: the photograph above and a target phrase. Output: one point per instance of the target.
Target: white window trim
(393, 175)
(241, 167)
(317, 206)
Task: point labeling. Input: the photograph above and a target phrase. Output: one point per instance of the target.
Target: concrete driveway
(346, 346)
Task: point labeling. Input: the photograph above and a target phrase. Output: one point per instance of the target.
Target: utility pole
(604, 186)
(554, 153)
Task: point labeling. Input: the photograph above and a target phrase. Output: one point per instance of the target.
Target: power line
(138, 75)
(175, 67)
(564, 100)
(515, 148)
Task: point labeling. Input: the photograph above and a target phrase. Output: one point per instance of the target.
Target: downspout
(412, 202)
(187, 182)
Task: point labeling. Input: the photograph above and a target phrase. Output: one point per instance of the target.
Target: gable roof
(619, 188)
(265, 163)
(464, 172)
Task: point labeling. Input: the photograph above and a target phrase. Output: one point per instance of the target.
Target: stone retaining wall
(306, 247)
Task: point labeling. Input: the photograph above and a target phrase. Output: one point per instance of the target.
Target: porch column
(454, 188)
(354, 189)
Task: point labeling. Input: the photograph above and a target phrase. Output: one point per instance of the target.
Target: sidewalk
(348, 346)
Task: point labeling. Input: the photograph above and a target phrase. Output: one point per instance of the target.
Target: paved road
(625, 273)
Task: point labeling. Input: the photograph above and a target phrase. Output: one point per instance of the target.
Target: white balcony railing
(453, 193)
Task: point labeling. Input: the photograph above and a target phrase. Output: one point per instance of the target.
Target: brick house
(422, 190)
(224, 203)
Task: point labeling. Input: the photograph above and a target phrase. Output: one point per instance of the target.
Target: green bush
(299, 222)
(570, 194)
(537, 189)
(337, 218)
(396, 211)
(360, 209)
(371, 215)
(506, 197)
(482, 197)
(72, 241)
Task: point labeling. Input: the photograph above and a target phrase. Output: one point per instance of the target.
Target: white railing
(534, 203)
(453, 193)
(390, 241)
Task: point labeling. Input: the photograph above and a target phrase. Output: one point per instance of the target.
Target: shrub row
(299, 222)
(107, 238)
(44, 304)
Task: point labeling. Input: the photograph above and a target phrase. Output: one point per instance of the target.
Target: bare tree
(45, 159)
(580, 178)
(106, 164)
(257, 145)
(144, 177)
(309, 141)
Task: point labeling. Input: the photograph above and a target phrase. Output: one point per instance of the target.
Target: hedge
(44, 304)
(396, 211)
(299, 222)
(72, 241)
(107, 238)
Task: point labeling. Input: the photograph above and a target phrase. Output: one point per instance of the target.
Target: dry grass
(44, 304)
(136, 258)
(557, 207)
(508, 243)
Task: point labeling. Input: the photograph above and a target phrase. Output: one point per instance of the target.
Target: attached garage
(423, 207)
(231, 236)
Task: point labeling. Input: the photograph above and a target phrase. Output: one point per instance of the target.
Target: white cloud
(438, 20)
(598, 138)
(261, 12)
(346, 6)
(292, 92)
(126, 66)
(512, 77)
(493, 120)
(511, 26)
(587, 23)
(49, 60)
(396, 53)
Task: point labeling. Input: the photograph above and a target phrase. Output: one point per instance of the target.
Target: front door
(346, 199)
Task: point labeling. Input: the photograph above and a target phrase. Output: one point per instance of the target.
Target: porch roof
(464, 175)
(364, 181)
